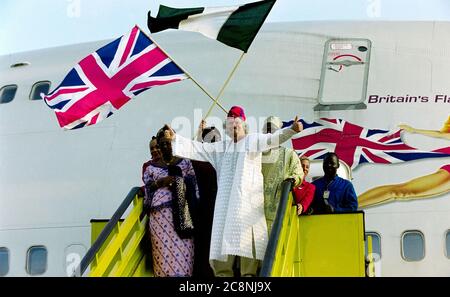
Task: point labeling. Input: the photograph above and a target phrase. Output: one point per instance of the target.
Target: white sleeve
(194, 150)
(270, 141)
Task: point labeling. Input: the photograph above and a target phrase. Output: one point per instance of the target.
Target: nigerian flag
(236, 26)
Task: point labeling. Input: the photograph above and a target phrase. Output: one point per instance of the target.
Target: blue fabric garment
(342, 195)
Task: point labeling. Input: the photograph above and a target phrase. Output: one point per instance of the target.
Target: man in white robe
(239, 225)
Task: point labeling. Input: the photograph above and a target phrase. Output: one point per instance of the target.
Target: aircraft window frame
(8, 260)
(1, 93)
(447, 244)
(74, 250)
(373, 233)
(28, 268)
(34, 87)
(403, 248)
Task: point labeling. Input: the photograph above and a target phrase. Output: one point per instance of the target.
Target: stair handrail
(269, 257)
(87, 259)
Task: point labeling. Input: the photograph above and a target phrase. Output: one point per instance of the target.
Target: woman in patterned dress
(173, 255)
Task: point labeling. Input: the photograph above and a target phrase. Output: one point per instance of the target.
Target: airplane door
(345, 70)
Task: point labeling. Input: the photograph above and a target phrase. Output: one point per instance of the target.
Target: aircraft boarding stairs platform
(312, 245)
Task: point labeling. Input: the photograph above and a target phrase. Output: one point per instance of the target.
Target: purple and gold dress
(172, 256)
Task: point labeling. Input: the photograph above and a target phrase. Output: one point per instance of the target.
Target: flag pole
(190, 76)
(216, 102)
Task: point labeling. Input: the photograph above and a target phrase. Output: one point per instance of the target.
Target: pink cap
(237, 112)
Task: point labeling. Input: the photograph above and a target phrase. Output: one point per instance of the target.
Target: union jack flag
(107, 79)
(355, 144)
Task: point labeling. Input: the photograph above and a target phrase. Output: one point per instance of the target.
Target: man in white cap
(278, 164)
(239, 225)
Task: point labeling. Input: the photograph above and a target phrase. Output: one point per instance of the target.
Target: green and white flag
(235, 26)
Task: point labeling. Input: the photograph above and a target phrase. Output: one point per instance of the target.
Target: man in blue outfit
(333, 194)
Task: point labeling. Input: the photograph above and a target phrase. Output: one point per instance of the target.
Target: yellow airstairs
(120, 247)
(315, 245)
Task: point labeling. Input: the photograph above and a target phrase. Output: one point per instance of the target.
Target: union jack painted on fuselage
(355, 144)
(108, 78)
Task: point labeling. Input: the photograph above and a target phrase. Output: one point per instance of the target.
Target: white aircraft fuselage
(53, 182)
